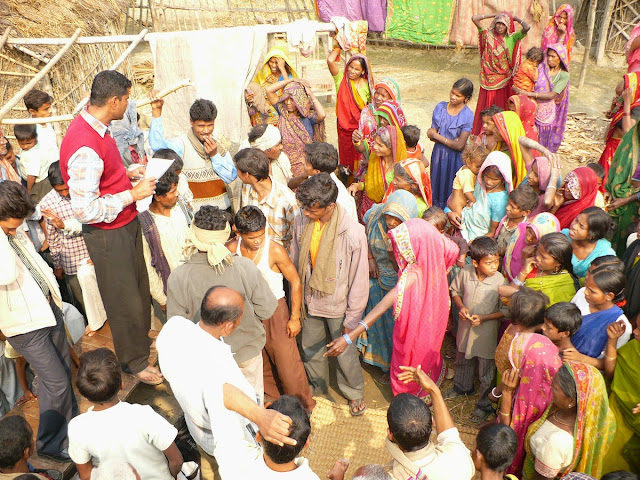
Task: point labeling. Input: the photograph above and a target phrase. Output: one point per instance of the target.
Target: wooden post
(34, 81)
(587, 48)
(5, 37)
(604, 30)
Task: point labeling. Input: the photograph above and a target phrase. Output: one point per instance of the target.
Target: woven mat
(336, 434)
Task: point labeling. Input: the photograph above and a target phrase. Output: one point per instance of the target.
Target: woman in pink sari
(420, 303)
(632, 50)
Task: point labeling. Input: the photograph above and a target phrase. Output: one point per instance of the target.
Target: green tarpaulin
(420, 21)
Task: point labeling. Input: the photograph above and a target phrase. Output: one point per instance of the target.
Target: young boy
(114, 430)
(486, 137)
(283, 461)
(184, 192)
(475, 293)
(527, 75)
(38, 104)
(561, 321)
(496, 446)
(34, 161)
(464, 182)
(283, 369)
(600, 173)
(411, 135)
(522, 201)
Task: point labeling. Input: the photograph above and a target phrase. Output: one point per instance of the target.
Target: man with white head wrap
(267, 138)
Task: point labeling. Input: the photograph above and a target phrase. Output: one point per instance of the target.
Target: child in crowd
(411, 135)
(10, 166)
(184, 192)
(522, 201)
(486, 137)
(527, 75)
(38, 104)
(496, 446)
(436, 217)
(112, 430)
(475, 293)
(464, 182)
(600, 173)
(283, 461)
(561, 322)
(34, 161)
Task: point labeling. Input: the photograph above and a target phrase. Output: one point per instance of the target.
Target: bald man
(219, 404)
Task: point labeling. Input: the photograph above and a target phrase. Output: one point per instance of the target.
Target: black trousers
(47, 351)
(124, 287)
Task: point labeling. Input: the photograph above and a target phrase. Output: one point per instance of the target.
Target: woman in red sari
(354, 86)
(499, 59)
(526, 109)
(420, 302)
(624, 113)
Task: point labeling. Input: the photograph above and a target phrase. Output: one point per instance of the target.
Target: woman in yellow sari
(508, 130)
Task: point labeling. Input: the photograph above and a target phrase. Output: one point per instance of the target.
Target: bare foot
(28, 396)
(151, 376)
(339, 469)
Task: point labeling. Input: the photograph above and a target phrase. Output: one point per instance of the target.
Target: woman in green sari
(623, 185)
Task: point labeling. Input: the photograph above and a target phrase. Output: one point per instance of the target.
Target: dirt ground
(425, 77)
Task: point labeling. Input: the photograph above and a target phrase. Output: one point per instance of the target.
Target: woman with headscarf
(376, 344)
(578, 191)
(385, 90)
(420, 302)
(526, 109)
(543, 173)
(552, 94)
(300, 119)
(499, 60)
(277, 67)
(354, 87)
(560, 30)
(575, 431)
(411, 175)
(624, 113)
(632, 50)
(508, 131)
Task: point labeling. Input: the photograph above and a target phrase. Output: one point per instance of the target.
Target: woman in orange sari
(354, 86)
(624, 113)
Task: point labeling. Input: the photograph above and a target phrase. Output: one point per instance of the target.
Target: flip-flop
(354, 406)
(150, 382)
(479, 415)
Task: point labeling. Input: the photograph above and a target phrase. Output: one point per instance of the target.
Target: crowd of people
(263, 264)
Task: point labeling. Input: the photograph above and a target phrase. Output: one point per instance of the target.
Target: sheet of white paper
(156, 167)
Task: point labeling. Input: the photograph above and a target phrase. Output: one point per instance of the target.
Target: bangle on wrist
(626, 114)
(518, 282)
(493, 392)
(505, 414)
(347, 338)
(611, 358)
(361, 186)
(366, 327)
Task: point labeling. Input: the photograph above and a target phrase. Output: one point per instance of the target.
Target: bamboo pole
(33, 82)
(69, 117)
(5, 37)
(604, 29)
(587, 48)
(17, 74)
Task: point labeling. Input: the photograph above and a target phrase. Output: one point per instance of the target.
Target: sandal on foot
(357, 407)
(479, 415)
(147, 381)
(384, 379)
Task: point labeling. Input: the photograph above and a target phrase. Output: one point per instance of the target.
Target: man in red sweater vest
(103, 199)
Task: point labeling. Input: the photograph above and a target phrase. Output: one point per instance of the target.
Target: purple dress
(445, 162)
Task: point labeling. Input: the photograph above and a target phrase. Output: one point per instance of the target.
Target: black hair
(483, 247)
(166, 182)
(619, 475)
(409, 422)
(498, 444)
(363, 65)
(559, 247)
(25, 132)
(214, 314)
(322, 156)
(299, 430)
(527, 307)
(9, 148)
(34, 99)
(597, 169)
(254, 162)
(610, 280)
(15, 201)
(204, 110)
(55, 175)
(491, 111)
(535, 54)
(168, 154)
(524, 197)
(257, 131)
(608, 261)
(27, 476)
(436, 217)
(401, 173)
(318, 191)
(210, 217)
(250, 219)
(15, 438)
(494, 170)
(464, 86)
(599, 223)
(99, 377)
(565, 316)
(411, 134)
(108, 84)
(564, 379)
(476, 153)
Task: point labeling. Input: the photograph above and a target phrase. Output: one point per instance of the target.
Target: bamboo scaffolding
(5, 37)
(33, 82)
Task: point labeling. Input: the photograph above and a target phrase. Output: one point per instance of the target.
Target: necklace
(568, 424)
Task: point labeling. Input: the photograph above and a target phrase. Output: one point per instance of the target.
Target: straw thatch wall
(70, 80)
